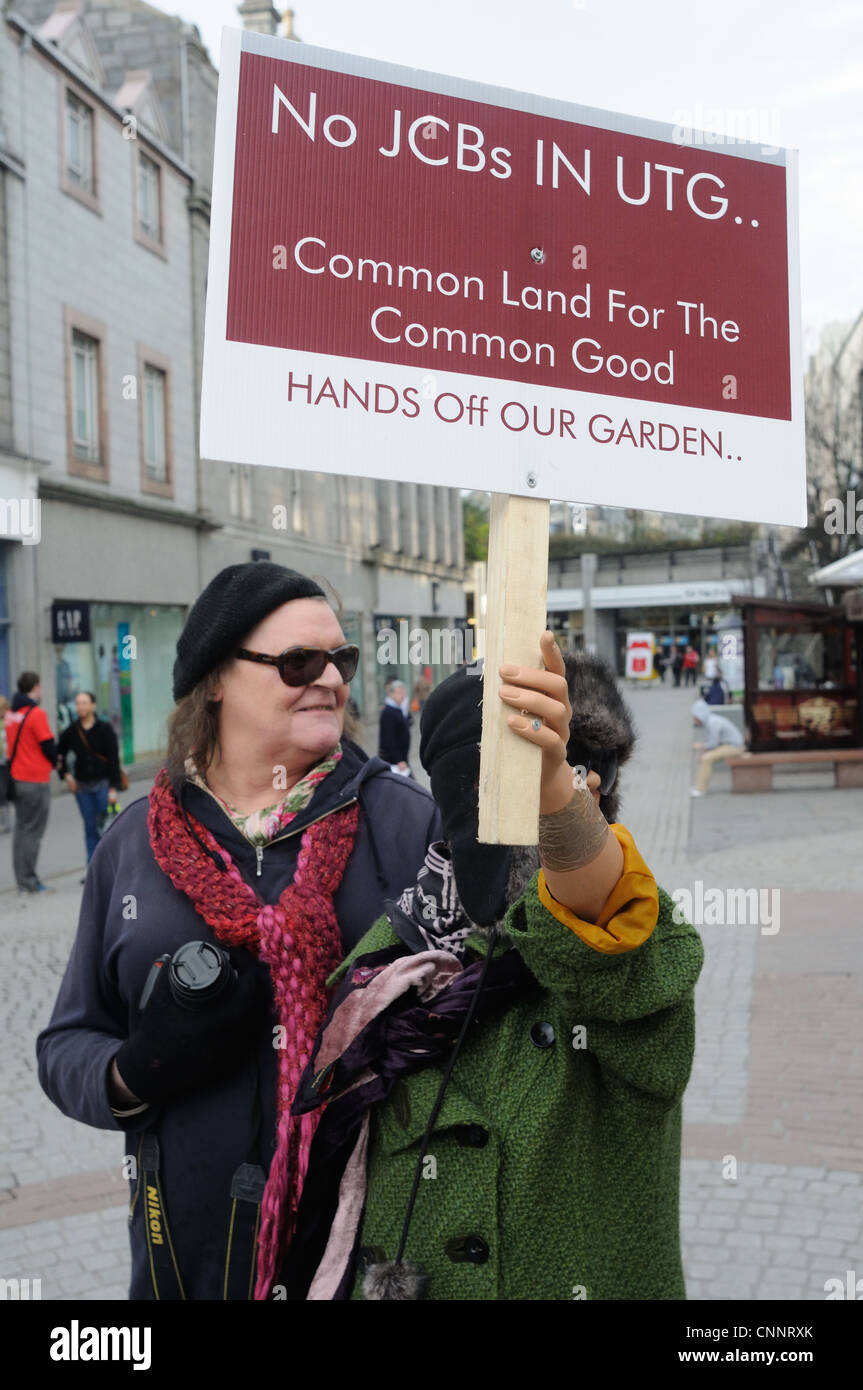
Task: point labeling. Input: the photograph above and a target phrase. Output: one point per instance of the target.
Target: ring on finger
(537, 724)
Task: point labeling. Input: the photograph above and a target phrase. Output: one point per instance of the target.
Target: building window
(79, 143)
(246, 507)
(155, 456)
(85, 396)
(86, 420)
(240, 498)
(298, 513)
(79, 163)
(154, 397)
(149, 198)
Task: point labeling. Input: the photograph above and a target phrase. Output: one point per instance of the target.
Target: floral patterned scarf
(260, 827)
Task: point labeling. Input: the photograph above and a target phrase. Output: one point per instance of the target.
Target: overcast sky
(799, 63)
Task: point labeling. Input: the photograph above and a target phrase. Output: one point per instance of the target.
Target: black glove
(175, 1049)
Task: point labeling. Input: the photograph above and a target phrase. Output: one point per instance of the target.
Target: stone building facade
(107, 112)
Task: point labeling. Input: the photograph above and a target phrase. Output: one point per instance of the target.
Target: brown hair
(193, 728)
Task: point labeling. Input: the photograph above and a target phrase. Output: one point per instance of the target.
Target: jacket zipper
(259, 849)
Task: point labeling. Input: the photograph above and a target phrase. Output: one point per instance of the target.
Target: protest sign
(418, 278)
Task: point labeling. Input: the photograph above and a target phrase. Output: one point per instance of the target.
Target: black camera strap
(164, 1271)
(247, 1192)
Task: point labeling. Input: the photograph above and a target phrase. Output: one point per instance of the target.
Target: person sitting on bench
(722, 741)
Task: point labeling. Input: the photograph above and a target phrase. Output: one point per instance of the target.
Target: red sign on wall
(480, 282)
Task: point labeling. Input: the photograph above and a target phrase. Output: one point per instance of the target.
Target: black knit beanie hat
(232, 604)
(451, 729)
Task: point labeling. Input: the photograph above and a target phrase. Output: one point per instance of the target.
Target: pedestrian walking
(722, 740)
(527, 1043)
(32, 753)
(91, 744)
(394, 733)
(267, 846)
(421, 692)
(4, 772)
(691, 663)
(659, 664)
(711, 665)
(676, 664)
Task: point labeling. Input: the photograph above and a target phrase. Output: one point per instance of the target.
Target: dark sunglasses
(302, 665)
(605, 764)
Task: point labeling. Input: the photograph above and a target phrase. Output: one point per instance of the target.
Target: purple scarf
(393, 1014)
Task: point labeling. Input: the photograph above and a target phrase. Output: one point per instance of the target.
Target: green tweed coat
(553, 1171)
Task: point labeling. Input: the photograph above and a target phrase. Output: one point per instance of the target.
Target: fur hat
(234, 602)
(601, 721)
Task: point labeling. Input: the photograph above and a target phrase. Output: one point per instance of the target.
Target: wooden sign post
(509, 768)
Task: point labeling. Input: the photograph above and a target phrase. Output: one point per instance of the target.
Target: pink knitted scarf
(299, 939)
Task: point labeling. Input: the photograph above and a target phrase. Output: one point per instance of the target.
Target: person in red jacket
(32, 754)
(691, 663)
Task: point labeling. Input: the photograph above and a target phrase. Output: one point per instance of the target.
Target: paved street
(772, 1180)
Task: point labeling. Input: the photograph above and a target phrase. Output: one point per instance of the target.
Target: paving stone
(716, 1221)
(778, 1292)
(824, 1247)
(798, 1227)
(708, 1254)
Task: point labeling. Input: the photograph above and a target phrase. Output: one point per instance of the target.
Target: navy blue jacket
(130, 914)
(394, 736)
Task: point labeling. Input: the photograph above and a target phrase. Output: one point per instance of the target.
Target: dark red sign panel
(533, 249)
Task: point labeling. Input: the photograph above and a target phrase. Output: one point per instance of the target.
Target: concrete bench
(754, 771)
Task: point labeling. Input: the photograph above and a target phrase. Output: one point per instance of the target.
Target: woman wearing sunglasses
(267, 847)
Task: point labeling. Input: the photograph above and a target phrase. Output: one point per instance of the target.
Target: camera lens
(200, 972)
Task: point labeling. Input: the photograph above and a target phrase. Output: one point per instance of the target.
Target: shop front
(689, 613)
(802, 674)
(124, 654)
(671, 625)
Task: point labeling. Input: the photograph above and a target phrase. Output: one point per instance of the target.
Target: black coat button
(472, 1249)
(476, 1250)
(542, 1035)
(471, 1136)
